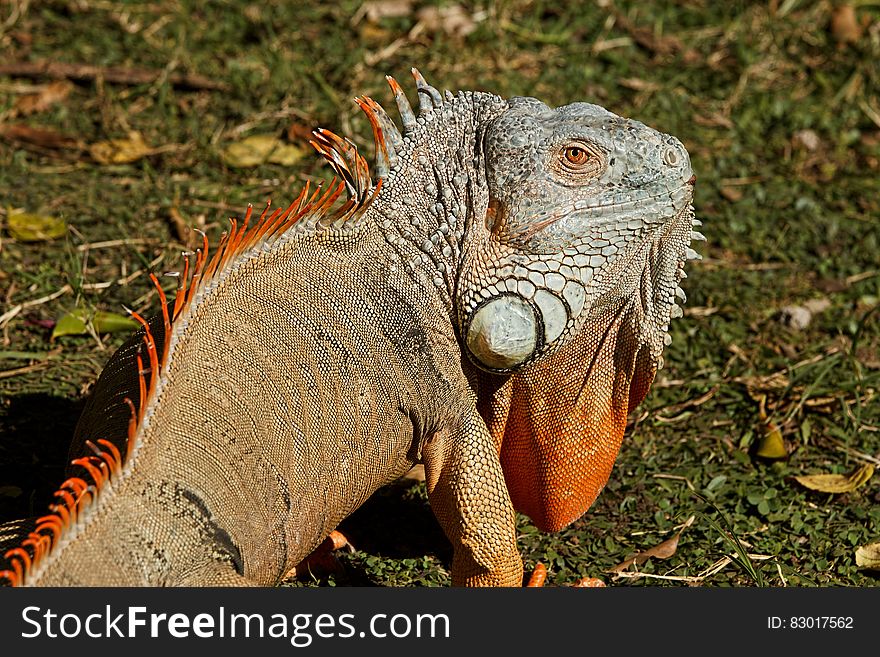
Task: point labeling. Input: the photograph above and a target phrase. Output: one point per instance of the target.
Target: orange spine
(106, 461)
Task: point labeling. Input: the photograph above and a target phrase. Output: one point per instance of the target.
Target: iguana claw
(539, 576)
(323, 560)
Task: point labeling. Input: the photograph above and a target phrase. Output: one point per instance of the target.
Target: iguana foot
(539, 576)
(323, 560)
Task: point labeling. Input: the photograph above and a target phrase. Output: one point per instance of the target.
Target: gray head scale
(586, 209)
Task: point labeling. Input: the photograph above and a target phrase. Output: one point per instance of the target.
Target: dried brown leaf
(375, 36)
(130, 149)
(30, 227)
(868, 556)
(589, 583)
(299, 132)
(845, 25)
(48, 95)
(837, 483)
(662, 550)
(756, 385)
(732, 194)
(121, 151)
(259, 149)
(453, 20)
(41, 137)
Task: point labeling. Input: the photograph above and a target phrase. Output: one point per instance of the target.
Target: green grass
(738, 82)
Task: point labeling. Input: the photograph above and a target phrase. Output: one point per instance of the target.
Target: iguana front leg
(468, 495)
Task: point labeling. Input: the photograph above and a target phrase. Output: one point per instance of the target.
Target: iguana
(492, 307)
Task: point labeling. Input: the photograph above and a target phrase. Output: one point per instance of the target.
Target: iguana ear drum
(503, 333)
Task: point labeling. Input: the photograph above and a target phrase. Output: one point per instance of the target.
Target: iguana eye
(576, 156)
(578, 162)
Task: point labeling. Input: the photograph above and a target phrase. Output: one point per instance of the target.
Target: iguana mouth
(637, 204)
(522, 237)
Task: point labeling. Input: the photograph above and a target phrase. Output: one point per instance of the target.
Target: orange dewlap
(560, 424)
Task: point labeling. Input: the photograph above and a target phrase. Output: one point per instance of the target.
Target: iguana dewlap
(492, 307)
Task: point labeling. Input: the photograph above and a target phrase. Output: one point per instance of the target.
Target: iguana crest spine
(311, 210)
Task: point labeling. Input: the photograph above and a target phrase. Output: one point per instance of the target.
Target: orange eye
(576, 156)
(578, 162)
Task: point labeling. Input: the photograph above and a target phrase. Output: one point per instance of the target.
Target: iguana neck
(431, 199)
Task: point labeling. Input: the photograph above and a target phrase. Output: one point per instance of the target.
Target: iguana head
(581, 215)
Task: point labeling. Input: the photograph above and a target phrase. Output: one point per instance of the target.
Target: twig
(19, 9)
(838, 445)
(714, 568)
(181, 229)
(128, 279)
(700, 311)
(673, 578)
(855, 278)
(30, 355)
(669, 383)
(671, 411)
(114, 74)
(125, 280)
(113, 243)
(5, 374)
(12, 312)
(676, 478)
(746, 180)
(781, 576)
(256, 119)
(870, 112)
(16, 309)
(811, 360)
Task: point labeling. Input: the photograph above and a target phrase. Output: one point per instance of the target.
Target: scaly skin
(493, 313)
